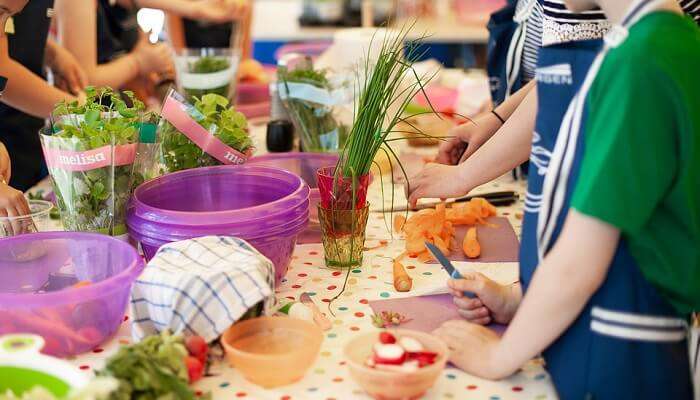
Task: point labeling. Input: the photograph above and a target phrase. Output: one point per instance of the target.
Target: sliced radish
(389, 354)
(410, 344)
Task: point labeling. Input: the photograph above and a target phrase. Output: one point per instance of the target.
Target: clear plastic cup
(37, 221)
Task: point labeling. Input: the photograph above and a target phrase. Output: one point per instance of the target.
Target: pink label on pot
(90, 159)
(175, 113)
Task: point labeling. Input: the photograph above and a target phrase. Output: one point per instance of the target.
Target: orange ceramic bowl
(393, 385)
(272, 351)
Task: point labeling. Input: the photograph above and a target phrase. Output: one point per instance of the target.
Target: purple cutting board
(425, 313)
(499, 243)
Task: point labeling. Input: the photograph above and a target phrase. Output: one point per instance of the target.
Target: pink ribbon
(90, 159)
(175, 113)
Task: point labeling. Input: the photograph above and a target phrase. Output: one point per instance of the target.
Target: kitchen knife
(498, 199)
(446, 264)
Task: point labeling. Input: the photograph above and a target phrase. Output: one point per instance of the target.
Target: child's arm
(579, 259)
(26, 91)
(217, 11)
(507, 149)
(469, 137)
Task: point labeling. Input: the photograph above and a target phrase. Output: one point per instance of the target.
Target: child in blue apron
(615, 222)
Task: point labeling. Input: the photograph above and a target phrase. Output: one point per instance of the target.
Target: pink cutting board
(425, 313)
(498, 240)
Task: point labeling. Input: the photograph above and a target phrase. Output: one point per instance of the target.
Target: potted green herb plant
(207, 70)
(313, 102)
(89, 151)
(206, 133)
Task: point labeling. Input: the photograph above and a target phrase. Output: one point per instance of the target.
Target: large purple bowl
(72, 288)
(266, 206)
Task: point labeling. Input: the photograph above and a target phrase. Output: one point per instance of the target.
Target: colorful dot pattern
(328, 378)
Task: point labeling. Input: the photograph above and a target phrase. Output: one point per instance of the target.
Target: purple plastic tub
(72, 288)
(266, 206)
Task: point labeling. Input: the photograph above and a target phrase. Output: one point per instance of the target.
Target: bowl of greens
(207, 70)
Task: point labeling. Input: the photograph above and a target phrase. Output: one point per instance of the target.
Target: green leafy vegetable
(96, 389)
(94, 200)
(152, 369)
(318, 128)
(213, 113)
(208, 65)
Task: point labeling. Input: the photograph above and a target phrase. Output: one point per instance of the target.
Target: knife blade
(446, 265)
(498, 199)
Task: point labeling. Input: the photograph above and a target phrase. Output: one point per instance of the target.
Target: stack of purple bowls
(267, 207)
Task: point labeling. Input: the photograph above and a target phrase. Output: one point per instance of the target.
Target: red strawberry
(195, 369)
(386, 338)
(197, 347)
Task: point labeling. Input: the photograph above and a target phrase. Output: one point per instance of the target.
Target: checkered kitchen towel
(200, 286)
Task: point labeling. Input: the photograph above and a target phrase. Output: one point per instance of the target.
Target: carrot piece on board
(471, 246)
(415, 243)
(399, 222)
(444, 247)
(402, 282)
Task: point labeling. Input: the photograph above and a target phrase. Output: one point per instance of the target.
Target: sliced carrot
(444, 247)
(399, 222)
(471, 246)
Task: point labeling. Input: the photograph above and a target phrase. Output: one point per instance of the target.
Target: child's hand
(435, 181)
(218, 11)
(468, 138)
(493, 302)
(12, 204)
(473, 348)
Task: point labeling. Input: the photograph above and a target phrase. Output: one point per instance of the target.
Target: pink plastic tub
(72, 288)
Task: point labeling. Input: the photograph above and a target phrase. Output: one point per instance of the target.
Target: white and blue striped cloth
(200, 286)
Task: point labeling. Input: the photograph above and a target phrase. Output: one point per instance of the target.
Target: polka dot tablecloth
(328, 378)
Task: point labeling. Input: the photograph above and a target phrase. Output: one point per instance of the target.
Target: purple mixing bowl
(72, 288)
(219, 195)
(266, 206)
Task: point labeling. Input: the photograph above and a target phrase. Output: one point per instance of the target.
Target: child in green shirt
(618, 232)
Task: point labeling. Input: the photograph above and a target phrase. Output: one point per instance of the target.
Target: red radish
(389, 354)
(386, 338)
(197, 347)
(195, 369)
(423, 358)
(410, 344)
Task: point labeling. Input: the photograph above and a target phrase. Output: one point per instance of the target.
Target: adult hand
(68, 73)
(12, 204)
(218, 11)
(493, 302)
(153, 58)
(436, 181)
(473, 348)
(467, 139)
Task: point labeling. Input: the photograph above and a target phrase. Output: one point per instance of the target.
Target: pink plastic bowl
(72, 288)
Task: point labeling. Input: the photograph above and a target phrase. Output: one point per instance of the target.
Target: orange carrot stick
(402, 282)
(399, 222)
(471, 246)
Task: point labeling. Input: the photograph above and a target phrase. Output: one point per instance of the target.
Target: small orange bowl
(272, 351)
(394, 385)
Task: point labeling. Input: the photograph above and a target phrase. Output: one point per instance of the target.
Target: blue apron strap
(556, 180)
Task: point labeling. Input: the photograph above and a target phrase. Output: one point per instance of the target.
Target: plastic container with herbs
(315, 102)
(90, 152)
(207, 70)
(206, 133)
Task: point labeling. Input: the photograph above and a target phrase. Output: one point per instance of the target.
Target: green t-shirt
(641, 164)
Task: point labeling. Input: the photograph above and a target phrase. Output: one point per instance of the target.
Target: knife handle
(456, 275)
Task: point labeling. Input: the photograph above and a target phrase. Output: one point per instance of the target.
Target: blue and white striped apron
(628, 343)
